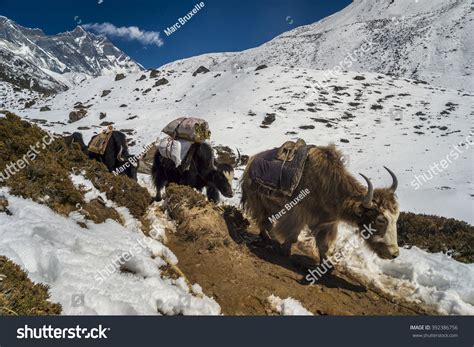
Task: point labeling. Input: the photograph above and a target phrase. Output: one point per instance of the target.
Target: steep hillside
(376, 120)
(430, 41)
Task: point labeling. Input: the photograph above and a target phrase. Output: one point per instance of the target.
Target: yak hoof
(265, 237)
(285, 249)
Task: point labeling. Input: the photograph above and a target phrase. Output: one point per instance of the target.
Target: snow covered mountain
(425, 40)
(376, 120)
(31, 59)
(378, 113)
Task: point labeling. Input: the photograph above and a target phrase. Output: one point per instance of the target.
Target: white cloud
(132, 33)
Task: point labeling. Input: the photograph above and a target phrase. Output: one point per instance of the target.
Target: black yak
(116, 157)
(201, 171)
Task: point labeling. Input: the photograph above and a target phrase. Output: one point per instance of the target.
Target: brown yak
(334, 196)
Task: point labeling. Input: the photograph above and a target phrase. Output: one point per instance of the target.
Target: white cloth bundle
(174, 149)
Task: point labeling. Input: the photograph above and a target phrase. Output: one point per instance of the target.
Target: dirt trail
(220, 251)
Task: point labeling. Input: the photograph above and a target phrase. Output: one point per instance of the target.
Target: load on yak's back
(110, 148)
(185, 156)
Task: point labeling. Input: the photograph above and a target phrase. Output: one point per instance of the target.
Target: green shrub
(20, 296)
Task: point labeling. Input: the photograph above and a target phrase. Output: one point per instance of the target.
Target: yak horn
(394, 186)
(367, 201)
(238, 159)
(119, 155)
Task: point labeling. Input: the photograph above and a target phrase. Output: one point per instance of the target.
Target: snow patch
(106, 269)
(416, 275)
(288, 306)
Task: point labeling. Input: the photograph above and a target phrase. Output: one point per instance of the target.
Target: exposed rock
(30, 103)
(359, 78)
(105, 92)
(161, 82)
(102, 115)
(119, 76)
(261, 67)
(45, 109)
(269, 119)
(4, 205)
(106, 124)
(200, 70)
(80, 105)
(154, 73)
(74, 116)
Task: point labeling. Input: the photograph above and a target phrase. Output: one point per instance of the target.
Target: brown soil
(218, 248)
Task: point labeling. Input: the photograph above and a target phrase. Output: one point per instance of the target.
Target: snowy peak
(32, 59)
(421, 40)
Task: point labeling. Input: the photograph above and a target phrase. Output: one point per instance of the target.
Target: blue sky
(221, 26)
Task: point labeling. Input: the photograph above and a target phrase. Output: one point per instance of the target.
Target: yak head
(378, 212)
(222, 178)
(129, 163)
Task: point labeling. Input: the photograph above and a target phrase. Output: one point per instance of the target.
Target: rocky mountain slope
(375, 119)
(425, 40)
(31, 59)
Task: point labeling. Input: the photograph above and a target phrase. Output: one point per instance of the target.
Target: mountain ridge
(52, 63)
(429, 42)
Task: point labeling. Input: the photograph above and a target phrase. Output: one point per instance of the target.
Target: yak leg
(160, 183)
(212, 193)
(286, 232)
(264, 225)
(325, 236)
(158, 196)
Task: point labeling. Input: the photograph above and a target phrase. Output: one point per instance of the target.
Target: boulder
(161, 82)
(119, 76)
(154, 73)
(74, 116)
(105, 93)
(200, 70)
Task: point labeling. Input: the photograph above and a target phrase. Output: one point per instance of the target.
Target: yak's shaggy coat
(334, 196)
